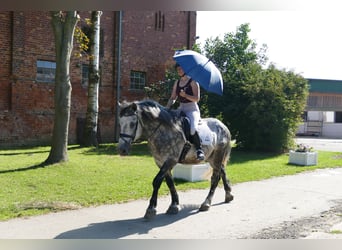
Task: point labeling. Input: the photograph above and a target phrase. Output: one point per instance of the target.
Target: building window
(46, 71)
(159, 23)
(329, 116)
(138, 80)
(85, 75)
(338, 116)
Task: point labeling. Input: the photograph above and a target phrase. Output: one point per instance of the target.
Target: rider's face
(180, 71)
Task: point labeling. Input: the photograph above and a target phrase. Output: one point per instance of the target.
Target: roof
(325, 86)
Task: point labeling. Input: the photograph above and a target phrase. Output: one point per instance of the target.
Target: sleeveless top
(187, 89)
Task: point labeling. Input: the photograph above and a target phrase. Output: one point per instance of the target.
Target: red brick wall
(27, 106)
(5, 59)
(147, 49)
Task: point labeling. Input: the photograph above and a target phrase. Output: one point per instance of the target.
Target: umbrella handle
(170, 103)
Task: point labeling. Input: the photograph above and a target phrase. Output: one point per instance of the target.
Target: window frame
(137, 80)
(45, 71)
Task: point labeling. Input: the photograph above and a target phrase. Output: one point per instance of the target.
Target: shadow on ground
(123, 228)
(41, 165)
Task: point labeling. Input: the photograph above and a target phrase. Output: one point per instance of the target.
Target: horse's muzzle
(123, 152)
(123, 148)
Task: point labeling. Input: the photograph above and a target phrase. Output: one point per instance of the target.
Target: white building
(323, 115)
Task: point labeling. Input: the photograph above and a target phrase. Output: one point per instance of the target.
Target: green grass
(336, 232)
(100, 176)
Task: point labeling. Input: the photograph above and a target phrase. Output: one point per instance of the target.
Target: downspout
(189, 28)
(12, 61)
(118, 83)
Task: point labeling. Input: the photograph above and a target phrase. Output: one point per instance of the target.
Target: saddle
(204, 133)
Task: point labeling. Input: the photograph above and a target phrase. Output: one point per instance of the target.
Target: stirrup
(200, 154)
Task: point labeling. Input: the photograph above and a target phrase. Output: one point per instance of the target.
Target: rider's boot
(197, 142)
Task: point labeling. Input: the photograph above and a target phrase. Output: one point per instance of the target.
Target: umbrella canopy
(201, 69)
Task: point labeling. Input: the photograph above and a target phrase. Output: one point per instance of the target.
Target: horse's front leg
(157, 181)
(151, 210)
(174, 207)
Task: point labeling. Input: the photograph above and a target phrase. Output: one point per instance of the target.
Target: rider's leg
(197, 142)
(194, 120)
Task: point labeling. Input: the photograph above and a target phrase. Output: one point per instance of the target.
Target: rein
(154, 131)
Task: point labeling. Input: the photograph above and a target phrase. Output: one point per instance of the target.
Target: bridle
(123, 136)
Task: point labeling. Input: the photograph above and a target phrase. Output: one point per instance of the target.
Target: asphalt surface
(324, 144)
(261, 209)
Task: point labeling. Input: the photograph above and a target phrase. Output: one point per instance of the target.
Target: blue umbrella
(201, 69)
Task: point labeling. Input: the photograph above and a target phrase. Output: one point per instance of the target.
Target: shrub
(262, 107)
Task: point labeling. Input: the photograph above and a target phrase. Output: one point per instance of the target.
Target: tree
(63, 27)
(262, 107)
(91, 124)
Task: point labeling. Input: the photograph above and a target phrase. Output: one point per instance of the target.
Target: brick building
(27, 63)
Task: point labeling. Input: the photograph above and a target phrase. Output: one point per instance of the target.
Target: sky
(306, 42)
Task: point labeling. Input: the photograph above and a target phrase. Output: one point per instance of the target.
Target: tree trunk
(63, 27)
(90, 131)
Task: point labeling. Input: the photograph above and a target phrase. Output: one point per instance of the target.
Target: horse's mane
(153, 110)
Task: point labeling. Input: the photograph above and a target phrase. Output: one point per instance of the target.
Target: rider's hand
(182, 93)
(170, 103)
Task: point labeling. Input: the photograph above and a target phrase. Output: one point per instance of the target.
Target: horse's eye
(132, 125)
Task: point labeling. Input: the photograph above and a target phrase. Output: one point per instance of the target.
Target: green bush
(261, 106)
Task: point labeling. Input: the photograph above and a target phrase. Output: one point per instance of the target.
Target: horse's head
(136, 117)
(128, 126)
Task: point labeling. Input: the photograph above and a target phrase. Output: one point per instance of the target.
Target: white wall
(329, 130)
(332, 130)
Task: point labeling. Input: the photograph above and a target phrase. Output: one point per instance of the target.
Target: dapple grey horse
(164, 131)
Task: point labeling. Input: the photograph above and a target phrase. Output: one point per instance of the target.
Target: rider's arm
(173, 97)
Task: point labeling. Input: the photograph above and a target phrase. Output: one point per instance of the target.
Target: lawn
(100, 176)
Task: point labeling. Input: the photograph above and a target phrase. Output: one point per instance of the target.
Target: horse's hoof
(173, 209)
(204, 207)
(229, 198)
(150, 213)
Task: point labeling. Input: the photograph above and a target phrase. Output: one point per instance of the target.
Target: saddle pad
(206, 135)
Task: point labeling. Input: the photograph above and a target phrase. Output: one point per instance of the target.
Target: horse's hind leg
(215, 178)
(174, 207)
(229, 197)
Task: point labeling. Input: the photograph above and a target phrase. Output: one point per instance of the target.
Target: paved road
(324, 144)
(257, 206)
